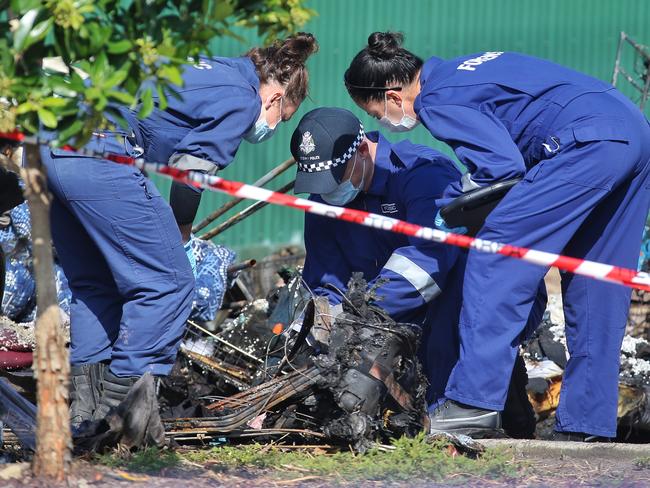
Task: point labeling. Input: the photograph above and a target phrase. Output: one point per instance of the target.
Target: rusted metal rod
(278, 170)
(249, 263)
(247, 212)
(235, 305)
(217, 338)
(642, 51)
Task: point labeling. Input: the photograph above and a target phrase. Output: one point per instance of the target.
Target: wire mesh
(234, 350)
(229, 362)
(638, 322)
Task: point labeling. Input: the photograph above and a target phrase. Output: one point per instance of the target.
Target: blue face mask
(346, 191)
(262, 131)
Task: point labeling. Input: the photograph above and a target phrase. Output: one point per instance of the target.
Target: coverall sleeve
(215, 140)
(481, 142)
(416, 274)
(324, 261)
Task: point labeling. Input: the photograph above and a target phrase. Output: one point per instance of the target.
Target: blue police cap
(322, 144)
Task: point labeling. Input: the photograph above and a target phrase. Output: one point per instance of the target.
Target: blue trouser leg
(439, 349)
(545, 211)
(589, 397)
(96, 307)
(440, 346)
(134, 230)
(537, 312)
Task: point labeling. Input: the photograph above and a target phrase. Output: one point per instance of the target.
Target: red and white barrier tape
(592, 269)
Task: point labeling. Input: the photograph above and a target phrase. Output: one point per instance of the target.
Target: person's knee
(184, 201)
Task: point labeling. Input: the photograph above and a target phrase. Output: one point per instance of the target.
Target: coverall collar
(383, 163)
(427, 68)
(247, 70)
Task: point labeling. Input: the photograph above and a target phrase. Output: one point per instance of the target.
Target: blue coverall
(117, 238)
(583, 150)
(219, 103)
(406, 182)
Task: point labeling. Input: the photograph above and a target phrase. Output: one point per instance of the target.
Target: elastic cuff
(100, 358)
(160, 369)
(155, 370)
(584, 429)
(473, 402)
(192, 163)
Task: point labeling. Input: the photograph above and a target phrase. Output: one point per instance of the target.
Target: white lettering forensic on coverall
(470, 64)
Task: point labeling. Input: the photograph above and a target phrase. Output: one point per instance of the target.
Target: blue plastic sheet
(19, 299)
(212, 263)
(644, 256)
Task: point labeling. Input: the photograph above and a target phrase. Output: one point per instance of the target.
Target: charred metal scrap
(351, 379)
(354, 380)
(545, 354)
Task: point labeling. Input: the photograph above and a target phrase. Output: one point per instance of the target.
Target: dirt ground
(532, 463)
(523, 463)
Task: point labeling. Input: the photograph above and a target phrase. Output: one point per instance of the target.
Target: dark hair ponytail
(382, 63)
(284, 62)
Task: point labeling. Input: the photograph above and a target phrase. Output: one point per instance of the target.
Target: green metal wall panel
(581, 34)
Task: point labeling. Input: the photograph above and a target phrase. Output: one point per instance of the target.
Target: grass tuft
(409, 458)
(150, 460)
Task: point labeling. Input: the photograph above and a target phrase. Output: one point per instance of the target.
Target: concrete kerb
(539, 448)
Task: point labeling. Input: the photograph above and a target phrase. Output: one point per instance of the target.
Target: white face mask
(405, 124)
(262, 131)
(346, 191)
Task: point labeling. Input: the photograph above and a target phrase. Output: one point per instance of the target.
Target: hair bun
(298, 47)
(384, 45)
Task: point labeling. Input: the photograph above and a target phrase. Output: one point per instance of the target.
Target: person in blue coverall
(339, 164)
(583, 151)
(119, 241)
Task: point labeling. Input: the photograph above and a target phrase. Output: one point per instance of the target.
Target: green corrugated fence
(581, 34)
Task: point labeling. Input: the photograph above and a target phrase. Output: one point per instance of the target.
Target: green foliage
(149, 460)
(409, 459)
(129, 49)
(275, 17)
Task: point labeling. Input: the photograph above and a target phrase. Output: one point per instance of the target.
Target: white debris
(20, 335)
(632, 366)
(543, 369)
(556, 314)
(558, 333)
(635, 367)
(554, 308)
(204, 347)
(630, 344)
(260, 305)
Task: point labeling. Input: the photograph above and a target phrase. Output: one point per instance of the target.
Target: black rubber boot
(455, 418)
(577, 437)
(85, 381)
(518, 415)
(113, 392)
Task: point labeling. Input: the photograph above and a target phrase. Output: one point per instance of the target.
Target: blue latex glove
(442, 225)
(190, 255)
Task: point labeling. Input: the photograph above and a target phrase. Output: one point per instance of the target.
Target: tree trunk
(51, 366)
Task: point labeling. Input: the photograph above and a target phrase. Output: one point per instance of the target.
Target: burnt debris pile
(351, 379)
(546, 355)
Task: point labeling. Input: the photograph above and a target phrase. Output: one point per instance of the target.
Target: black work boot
(455, 418)
(518, 416)
(85, 381)
(113, 392)
(577, 437)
